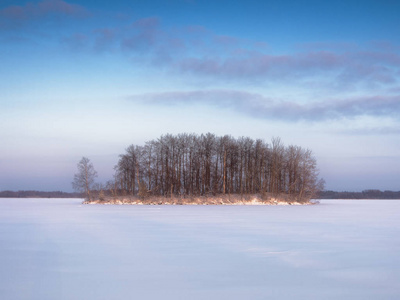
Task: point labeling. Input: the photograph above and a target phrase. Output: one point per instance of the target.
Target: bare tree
(84, 179)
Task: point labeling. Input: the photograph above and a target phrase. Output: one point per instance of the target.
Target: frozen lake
(60, 249)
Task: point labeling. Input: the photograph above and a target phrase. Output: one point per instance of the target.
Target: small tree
(84, 179)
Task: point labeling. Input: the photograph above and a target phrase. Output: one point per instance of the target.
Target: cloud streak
(354, 67)
(256, 105)
(18, 14)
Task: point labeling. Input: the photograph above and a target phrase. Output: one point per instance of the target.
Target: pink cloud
(105, 38)
(257, 105)
(260, 64)
(143, 35)
(59, 6)
(16, 12)
(147, 37)
(345, 68)
(146, 24)
(43, 8)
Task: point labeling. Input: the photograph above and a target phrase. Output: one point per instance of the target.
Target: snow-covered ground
(60, 249)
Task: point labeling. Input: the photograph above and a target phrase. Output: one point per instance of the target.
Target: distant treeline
(197, 165)
(38, 194)
(366, 194)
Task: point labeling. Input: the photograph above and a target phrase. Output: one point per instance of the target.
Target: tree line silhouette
(365, 194)
(38, 194)
(204, 165)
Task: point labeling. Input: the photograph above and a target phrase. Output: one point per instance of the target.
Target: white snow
(338, 249)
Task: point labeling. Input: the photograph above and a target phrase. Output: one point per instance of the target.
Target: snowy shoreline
(214, 200)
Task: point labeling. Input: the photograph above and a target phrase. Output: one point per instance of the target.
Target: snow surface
(60, 249)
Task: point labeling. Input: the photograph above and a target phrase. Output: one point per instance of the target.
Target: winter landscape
(185, 112)
(61, 249)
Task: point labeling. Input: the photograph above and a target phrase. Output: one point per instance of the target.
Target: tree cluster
(197, 165)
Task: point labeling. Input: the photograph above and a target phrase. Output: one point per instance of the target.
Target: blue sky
(89, 78)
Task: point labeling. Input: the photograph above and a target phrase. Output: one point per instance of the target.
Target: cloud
(260, 65)
(18, 14)
(200, 52)
(257, 105)
(105, 39)
(343, 68)
(143, 35)
(203, 54)
(148, 38)
(59, 6)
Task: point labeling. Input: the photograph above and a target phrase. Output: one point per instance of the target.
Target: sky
(91, 77)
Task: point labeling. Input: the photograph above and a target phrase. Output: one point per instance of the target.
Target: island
(206, 169)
